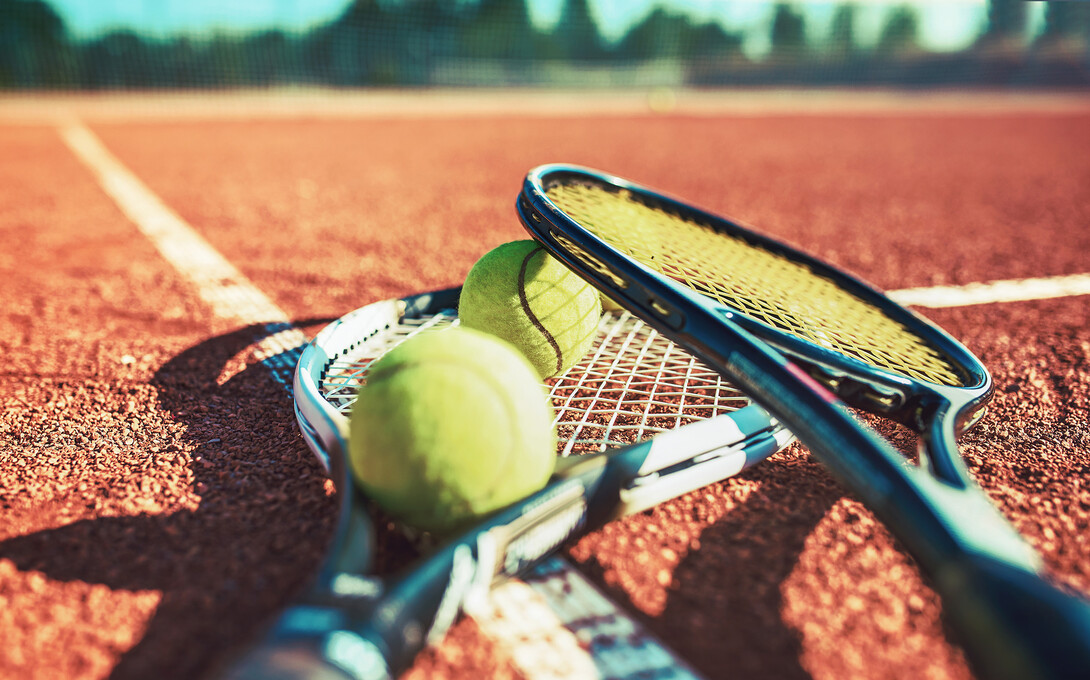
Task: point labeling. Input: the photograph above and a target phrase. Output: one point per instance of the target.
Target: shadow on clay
(258, 534)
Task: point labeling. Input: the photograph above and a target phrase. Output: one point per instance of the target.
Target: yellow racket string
(760, 283)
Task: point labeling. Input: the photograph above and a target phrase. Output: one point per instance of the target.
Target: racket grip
(1014, 625)
(318, 640)
(298, 659)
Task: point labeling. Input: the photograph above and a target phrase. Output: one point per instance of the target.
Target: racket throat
(965, 521)
(511, 547)
(937, 422)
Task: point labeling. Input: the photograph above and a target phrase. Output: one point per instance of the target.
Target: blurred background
(171, 44)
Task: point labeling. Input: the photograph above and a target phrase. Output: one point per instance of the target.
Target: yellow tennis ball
(451, 425)
(520, 293)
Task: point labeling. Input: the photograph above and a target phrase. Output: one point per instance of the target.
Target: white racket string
(632, 385)
(347, 371)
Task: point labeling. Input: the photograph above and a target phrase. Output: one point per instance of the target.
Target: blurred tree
(123, 59)
(435, 31)
(500, 29)
(183, 64)
(1000, 48)
(1066, 22)
(664, 34)
(841, 43)
(788, 33)
(227, 63)
(388, 42)
(577, 32)
(900, 32)
(1006, 21)
(267, 58)
(659, 35)
(354, 48)
(34, 50)
(710, 40)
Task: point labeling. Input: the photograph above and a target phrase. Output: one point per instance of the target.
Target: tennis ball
(451, 425)
(522, 294)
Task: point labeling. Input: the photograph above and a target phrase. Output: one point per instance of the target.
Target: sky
(944, 24)
(90, 18)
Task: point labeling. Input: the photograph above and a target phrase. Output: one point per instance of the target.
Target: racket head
(871, 352)
(632, 385)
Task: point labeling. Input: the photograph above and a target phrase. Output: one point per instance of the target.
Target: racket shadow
(728, 610)
(223, 565)
(725, 612)
(722, 611)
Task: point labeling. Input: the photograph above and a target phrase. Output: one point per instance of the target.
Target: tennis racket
(726, 294)
(652, 422)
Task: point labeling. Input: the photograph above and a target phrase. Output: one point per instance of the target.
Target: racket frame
(357, 624)
(858, 383)
(1013, 622)
(938, 412)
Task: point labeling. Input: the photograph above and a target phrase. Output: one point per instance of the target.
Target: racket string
(646, 386)
(347, 371)
(746, 277)
(633, 384)
(588, 412)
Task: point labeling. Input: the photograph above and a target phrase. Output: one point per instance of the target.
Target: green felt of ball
(520, 293)
(451, 425)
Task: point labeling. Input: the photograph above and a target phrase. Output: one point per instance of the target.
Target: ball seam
(525, 304)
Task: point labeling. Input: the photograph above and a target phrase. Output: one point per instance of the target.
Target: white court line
(1014, 290)
(544, 646)
(218, 282)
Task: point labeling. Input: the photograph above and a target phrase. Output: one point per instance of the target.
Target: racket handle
(1015, 625)
(310, 643)
(297, 659)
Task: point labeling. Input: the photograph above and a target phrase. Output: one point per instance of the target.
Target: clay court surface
(157, 503)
